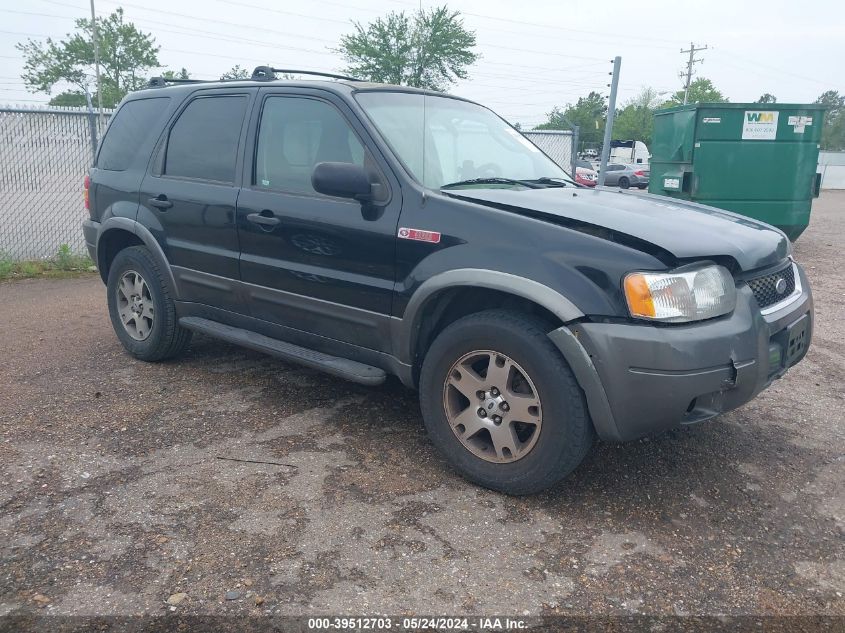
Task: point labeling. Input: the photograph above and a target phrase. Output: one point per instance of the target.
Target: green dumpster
(756, 159)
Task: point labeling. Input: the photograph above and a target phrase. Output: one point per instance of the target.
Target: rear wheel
(502, 404)
(624, 183)
(642, 186)
(142, 312)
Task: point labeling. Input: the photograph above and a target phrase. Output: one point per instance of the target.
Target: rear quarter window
(134, 123)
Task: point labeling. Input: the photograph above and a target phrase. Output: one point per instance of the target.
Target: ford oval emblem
(780, 285)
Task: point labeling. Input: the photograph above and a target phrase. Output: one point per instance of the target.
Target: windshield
(445, 141)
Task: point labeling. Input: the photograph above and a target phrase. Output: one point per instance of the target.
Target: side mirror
(344, 180)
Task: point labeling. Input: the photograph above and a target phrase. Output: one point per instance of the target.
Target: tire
(624, 183)
(564, 434)
(643, 186)
(154, 333)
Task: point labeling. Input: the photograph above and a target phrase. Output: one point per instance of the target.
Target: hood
(685, 230)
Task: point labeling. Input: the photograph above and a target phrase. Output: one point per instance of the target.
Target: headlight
(681, 296)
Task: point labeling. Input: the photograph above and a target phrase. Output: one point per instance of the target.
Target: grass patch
(64, 263)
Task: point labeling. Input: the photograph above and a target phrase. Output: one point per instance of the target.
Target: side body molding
(143, 233)
(408, 327)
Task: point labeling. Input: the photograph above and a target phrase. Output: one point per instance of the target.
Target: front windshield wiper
(553, 181)
(496, 180)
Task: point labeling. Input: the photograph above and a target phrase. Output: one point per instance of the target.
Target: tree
(767, 97)
(126, 54)
(236, 72)
(174, 74)
(833, 127)
(429, 49)
(636, 118)
(588, 114)
(700, 91)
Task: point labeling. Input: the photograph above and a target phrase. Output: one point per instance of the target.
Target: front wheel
(624, 183)
(502, 405)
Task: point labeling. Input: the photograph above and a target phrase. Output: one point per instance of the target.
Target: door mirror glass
(343, 180)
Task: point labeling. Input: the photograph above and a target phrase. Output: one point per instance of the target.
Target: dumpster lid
(741, 106)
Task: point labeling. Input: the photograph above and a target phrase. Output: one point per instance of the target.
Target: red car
(585, 174)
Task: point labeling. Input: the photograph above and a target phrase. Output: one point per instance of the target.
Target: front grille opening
(773, 288)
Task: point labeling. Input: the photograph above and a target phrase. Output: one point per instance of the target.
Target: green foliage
(65, 259)
(700, 91)
(69, 98)
(588, 114)
(64, 263)
(176, 74)
(126, 54)
(767, 97)
(429, 49)
(236, 72)
(30, 269)
(833, 130)
(6, 265)
(635, 121)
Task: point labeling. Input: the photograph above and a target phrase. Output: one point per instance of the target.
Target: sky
(535, 54)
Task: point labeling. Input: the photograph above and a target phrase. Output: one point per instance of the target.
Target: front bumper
(656, 377)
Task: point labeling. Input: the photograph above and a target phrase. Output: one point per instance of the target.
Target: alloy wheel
(492, 406)
(135, 305)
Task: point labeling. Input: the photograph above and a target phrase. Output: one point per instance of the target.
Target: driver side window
(296, 133)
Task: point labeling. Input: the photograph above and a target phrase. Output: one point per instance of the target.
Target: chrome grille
(765, 288)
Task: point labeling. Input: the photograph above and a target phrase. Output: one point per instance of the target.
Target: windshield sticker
(758, 125)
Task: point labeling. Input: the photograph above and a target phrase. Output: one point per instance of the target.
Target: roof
(158, 83)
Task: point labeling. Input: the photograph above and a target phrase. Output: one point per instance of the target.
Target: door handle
(265, 218)
(160, 202)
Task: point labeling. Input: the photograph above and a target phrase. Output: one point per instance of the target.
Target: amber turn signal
(638, 295)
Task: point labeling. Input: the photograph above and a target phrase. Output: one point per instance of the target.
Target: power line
(754, 68)
(286, 34)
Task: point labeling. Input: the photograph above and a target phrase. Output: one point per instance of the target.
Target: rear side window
(135, 122)
(203, 142)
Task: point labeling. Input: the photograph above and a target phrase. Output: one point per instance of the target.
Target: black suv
(366, 230)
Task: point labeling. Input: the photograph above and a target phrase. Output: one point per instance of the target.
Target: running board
(342, 367)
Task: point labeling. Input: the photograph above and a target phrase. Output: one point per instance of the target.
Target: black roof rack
(160, 82)
(261, 73)
(266, 73)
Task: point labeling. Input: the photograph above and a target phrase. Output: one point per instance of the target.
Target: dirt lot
(254, 486)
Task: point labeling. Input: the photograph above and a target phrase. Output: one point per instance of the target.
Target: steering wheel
(488, 170)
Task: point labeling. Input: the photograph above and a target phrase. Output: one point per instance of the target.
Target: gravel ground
(228, 482)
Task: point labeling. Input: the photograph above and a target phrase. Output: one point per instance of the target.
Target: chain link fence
(558, 144)
(45, 153)
(44, 156)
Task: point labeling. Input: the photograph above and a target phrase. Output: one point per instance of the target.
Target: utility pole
(96, 39)
(608, 126)
(692, 60)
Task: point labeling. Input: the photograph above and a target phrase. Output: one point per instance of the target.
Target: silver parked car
(626, 176)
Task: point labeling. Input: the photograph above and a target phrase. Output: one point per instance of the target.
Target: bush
(6, 265)
(64, 262)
